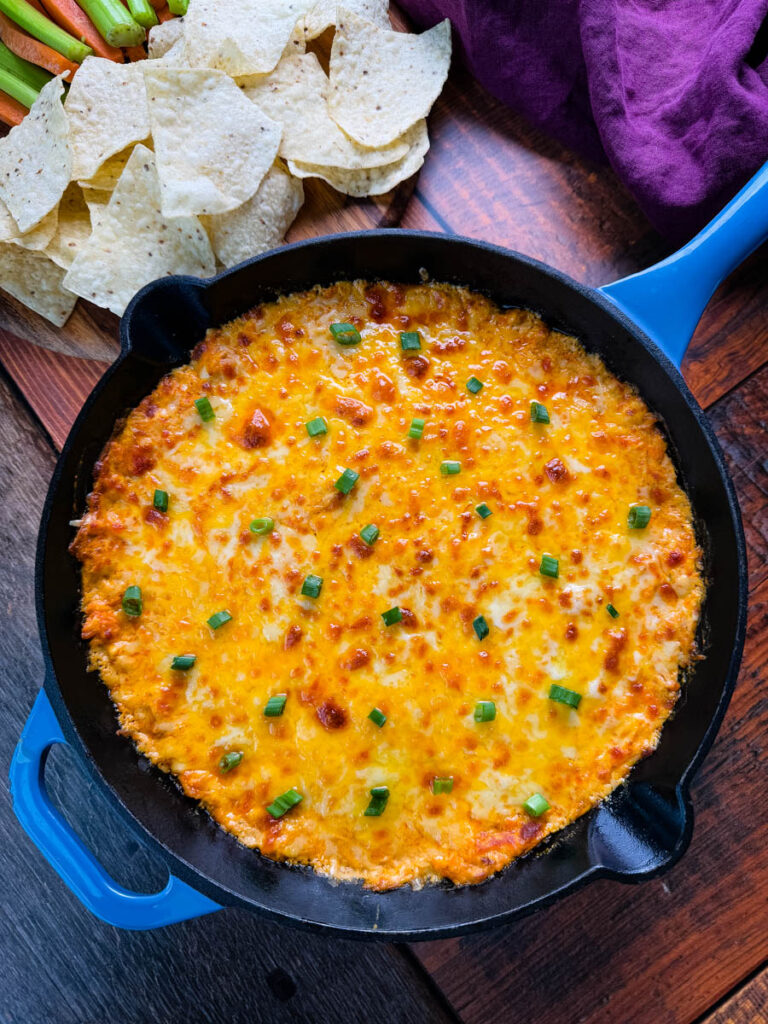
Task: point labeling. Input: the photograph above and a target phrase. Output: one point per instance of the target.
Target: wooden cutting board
(672, 949)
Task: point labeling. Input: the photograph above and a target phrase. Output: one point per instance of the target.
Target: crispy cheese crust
(562, 489)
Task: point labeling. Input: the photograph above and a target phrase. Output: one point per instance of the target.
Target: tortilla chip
(97, 203)
(261, 223)
(382, 82)
(107, 110)
(35, 159)
(213, 145)
(74, 228)
(371, 181)
(36, 238)
(324, 14)
(295, 95)
(241, 37)
(163, 37)
(36, 282)
(134, 242)
(109, 173)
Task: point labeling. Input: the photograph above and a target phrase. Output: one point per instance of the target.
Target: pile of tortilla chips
(193, 159)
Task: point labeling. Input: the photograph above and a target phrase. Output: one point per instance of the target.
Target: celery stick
(14, 86)
(45, 30)
(113, 22)
(34, 76)
(178, 6)
(143, 12)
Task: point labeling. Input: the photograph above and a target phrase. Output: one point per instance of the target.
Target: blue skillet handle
(70, 857)
(667, 300)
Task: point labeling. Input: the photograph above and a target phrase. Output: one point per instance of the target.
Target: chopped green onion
(377, 717)
(219, 619)
(312, 586)
(160, 501)
(205, 409)
(563, 695)
(132, 603)
(474, 385)
(275, 706)
(317, 426)
(179, 7)
(379, 797)
(612, 611)
(370, 534)
(549, 566)
(113, 22)
(483, 511)
(442, 785)
(284, 803)
(639, 517)
(410, 341)
(230, 760)
(391, 616)
(480, 627)
(262, 526)
(416, 428)
(183, 662)
(539, 413)
(450, 467)
(346, 334)
(347, 481)
(485, 711)
(47, 31)
(536, 805)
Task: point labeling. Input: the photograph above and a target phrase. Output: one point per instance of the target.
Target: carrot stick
(11, 111)
(135, 53)
(24, 46)
(164, 13)
(71, 17)
(46, 31)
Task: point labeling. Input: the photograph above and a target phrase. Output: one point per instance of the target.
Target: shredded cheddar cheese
(459, 553)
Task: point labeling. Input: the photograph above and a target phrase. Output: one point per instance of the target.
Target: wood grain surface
(747, 1006)
(674, 950)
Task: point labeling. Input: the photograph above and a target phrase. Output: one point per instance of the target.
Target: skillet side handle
(666, 300)
(69, 857)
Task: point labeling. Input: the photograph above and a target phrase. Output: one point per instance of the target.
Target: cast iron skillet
(646, 825)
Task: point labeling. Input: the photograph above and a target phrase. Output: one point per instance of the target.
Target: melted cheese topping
(562, 489)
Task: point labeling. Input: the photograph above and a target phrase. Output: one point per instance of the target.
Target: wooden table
(689, 946)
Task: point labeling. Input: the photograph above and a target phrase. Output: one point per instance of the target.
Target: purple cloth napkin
(665, 89)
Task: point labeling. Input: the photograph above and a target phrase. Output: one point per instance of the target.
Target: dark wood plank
(491, 176)
(55, 385)
(748, 1006)
(671, 948)
(731, 341)
(90, 332)
(741, 422)
(58, 962)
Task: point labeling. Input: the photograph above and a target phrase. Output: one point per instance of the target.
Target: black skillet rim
(219, 893)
